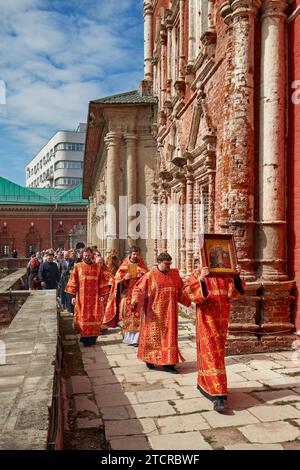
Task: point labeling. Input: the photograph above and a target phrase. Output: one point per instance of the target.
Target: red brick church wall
(16, 226)
(293, 182)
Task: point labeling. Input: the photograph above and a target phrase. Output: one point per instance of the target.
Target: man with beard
(119, 302)
(158, 294)
(88, 282)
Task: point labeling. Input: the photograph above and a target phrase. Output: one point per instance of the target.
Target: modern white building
(59, 163)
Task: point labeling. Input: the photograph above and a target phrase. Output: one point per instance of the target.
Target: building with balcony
(59, 163)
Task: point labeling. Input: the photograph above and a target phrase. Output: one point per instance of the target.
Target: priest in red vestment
(119, 301)
(212, 297)
(88, 283)
(157, 294)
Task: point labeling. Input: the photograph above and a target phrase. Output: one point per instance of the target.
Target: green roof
(130, 97)
(12, 193)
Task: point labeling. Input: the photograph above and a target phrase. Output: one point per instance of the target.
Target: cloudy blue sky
(56, 56)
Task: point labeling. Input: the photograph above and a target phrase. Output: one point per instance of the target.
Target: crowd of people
(106, 293)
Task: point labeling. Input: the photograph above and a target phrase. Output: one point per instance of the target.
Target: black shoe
(150, 366)
(170, 368)
(219, 404)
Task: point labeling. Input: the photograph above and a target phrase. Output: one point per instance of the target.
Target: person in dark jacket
(14, 254)
(49, 274)
(32, 272)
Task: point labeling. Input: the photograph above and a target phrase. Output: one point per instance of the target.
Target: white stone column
(182, 264)
(211, 16)
(93, 204)
(169, 59)
(131, 159)
(272, 141)
(192, 32)
(112, 141)
(189, 222)
(148, 40)
(155, 214)
(163, 65)
(89, 223)
(240, 197)
(181, 40)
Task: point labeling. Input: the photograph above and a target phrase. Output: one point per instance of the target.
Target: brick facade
(41, 228)
(218, 69)
(294, 150)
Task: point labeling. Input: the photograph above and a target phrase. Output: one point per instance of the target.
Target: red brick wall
(19, 221)
(294, 156)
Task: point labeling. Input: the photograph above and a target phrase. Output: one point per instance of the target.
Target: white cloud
(57, 56)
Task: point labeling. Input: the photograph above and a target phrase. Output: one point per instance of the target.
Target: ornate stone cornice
(148, 9)
(112, 139)
(165, 175)
(241, 8)
(226, 11)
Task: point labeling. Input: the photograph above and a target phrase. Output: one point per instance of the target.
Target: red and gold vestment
(89, 282)
(119, 301)
(212, 298)
(158, 294)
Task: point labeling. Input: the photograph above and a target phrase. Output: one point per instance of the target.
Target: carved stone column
(89, 222)
(112, 141)
(182, 264)
(169, 25)
(181, 40)
(272, 237)
(189, 222)
(131, 156)
(211, 16)
(155, 220)
(240, 193)
(94, 221)
(192, 32)
(148, 40)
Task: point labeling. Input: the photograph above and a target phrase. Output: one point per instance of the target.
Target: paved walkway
(152, 409)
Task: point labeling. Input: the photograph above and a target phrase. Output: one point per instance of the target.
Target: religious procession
(106, 293)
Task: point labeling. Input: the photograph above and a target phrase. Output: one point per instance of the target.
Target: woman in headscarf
(32, 272)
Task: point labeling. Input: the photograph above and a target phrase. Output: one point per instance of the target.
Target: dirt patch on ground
(218, 438)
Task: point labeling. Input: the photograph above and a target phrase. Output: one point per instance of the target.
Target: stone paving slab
(185, 441)
(114, 412)
(84, 423)
(284, 382)
(80, 384)
(149, 410)
(152, 409)
(130, 443)
(270, 433)
(278, 396)
(239, 401)
(182, 424)
(264, 365)
(113, 398)
(238, 418)
(83, 403)
(263, 375)
(156, 395)
(275, 413)
(246, 386)
(193, 405)
(244, 446)
(130, 427)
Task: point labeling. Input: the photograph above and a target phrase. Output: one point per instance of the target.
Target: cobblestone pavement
(153, 409)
